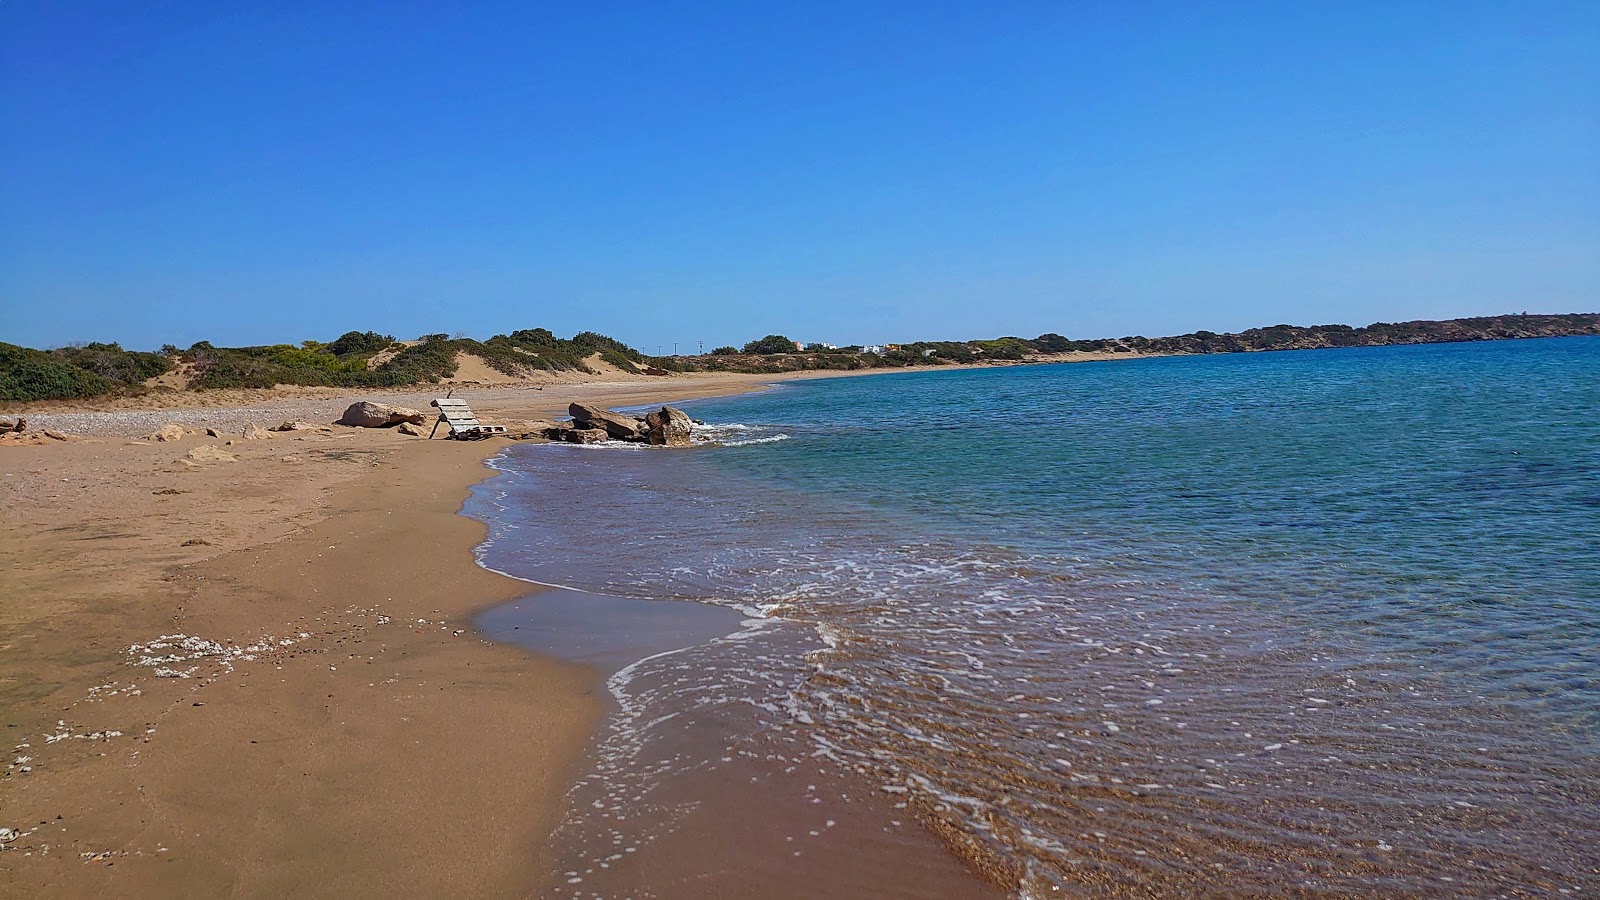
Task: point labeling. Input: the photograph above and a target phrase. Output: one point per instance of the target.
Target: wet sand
(333, 724)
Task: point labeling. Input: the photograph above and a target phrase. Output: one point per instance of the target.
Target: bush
(367, 342)
(27, 374)
(111, 361)
(772, 343)
(724, 351)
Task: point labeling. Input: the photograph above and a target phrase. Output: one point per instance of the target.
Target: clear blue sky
(265, 172)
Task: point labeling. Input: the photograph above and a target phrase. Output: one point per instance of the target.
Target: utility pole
(702, 348)
(674, 349)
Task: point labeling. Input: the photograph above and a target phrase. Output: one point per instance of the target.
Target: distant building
(927, 353)
(874, 349)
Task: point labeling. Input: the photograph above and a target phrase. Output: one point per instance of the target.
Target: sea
(1306, 623)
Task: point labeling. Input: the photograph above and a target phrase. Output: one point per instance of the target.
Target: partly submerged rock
(619, 426)
(367, 414)
(669, 427)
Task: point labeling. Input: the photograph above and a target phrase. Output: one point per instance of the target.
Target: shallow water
(1294, 623)
(608, 633)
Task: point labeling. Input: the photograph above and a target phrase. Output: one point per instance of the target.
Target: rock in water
(587, 436)
(378, 415)
(669, 427)
(621, 427)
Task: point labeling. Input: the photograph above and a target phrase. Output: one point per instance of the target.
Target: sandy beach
(248, 667)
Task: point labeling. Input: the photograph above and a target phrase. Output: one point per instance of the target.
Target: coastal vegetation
(368, 359)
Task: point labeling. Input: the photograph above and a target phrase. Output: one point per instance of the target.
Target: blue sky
(257, 173)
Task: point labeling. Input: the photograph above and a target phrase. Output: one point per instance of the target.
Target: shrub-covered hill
(768, 354)
(369, 359)
(355, 359)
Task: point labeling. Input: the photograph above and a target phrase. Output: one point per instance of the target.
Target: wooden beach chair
(464, 425)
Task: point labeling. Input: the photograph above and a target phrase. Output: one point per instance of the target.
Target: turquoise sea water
(1294, 622)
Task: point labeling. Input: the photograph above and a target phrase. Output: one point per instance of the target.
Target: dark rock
(621, 427)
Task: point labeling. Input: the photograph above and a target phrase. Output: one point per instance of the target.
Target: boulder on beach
(587, 436)
(408, 428)
(171, 432)
(254, 432)
(668, 427)
(294, 426)
(367, 414)
(8, 424)
(619, 426)
(209, 453)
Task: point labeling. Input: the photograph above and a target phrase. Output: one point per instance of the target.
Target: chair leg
(435, 427)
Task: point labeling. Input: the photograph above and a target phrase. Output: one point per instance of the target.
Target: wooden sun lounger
(464, 425)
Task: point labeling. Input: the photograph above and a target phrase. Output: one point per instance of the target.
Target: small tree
(772, 343)
(725, 351)
(359, 342)
(1050, 342)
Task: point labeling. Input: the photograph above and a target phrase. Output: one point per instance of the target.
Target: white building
(874, 349)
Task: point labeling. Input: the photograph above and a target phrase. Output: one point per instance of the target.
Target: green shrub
(772, 343)
(27, 374)
(111, 361)
(364, 342)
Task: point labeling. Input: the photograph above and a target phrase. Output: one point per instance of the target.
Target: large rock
(170, 433)
(254, 432)
(8, 424)
(619, 426)
(378, 415)
(587, 436)
(669, 427)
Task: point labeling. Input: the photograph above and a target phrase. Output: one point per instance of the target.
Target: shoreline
(265, 766)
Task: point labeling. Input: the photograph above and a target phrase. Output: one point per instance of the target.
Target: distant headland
(373, 360)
